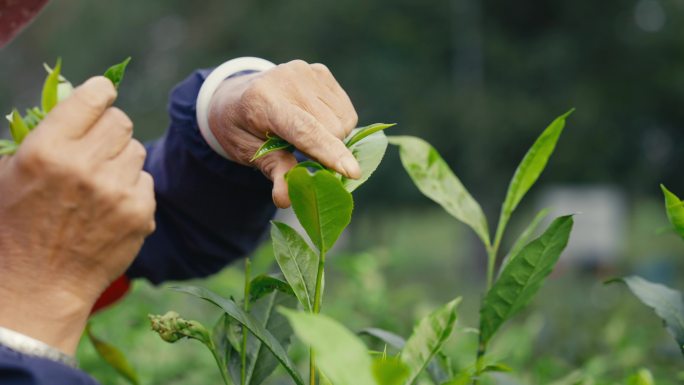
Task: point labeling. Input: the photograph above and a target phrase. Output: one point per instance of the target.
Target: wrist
(51, 315)
(209, 88)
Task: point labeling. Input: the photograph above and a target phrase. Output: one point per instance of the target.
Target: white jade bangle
(217, 76)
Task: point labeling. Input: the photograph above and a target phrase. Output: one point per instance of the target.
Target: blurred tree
(479, 79)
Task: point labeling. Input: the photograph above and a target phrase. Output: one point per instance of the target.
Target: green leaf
(675, 210)
(435, 369)
(427, 338)
(64, 90)
(272, 143)
(532, 166)
(523, 277)
(116, 72)
(368, 151)
(340, 355)
(50, 97)
(321, 204)
(297, 261)
(8, 147)
(113, 357)
(260, 361)
(221, 338)
(667, 304)
(463, 378)
(434, 179)
(253, 325)
(33, 117)
(263, 285)
(18, 127)
(642, 377)
(524, 238)
(385, 336)
(360, 133)
(389, 371)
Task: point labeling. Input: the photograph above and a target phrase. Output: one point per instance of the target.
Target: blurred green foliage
(479, 78)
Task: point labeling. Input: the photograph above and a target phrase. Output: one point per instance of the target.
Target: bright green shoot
(55, 89)
(528, 263)
(322, 201)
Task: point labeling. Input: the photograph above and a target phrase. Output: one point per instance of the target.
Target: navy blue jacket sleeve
(21, 369)
(210, 211)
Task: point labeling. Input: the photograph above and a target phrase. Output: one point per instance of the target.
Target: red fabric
(15, 15)
(114, 292)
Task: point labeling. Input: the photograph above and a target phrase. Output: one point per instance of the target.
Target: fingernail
(350, 167)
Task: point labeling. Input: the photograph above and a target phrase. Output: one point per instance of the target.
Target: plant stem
(318, 293)
(493, 249)
(221, 364)
(479, 364)
(243, 350)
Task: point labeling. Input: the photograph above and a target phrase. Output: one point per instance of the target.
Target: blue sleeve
(210, 211)
(21, 369)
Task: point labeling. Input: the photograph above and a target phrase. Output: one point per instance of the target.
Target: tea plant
(667, 303)
(323, 204)
(524, 269)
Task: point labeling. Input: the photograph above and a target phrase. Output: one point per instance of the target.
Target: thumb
(275, 165)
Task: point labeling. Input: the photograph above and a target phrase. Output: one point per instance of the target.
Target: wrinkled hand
(299, 102)
(75, 209)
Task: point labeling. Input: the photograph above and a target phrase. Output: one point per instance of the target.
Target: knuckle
(350, 120)
(138, 151)
(96, 93)
(297, 65)
(321, 68)
(119, 119)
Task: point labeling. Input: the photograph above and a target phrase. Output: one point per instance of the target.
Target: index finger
(76, 114)
(306, 133)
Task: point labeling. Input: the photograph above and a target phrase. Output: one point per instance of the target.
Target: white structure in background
(600, 221)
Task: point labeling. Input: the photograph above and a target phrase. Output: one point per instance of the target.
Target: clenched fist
(75, 207)
(299, 102)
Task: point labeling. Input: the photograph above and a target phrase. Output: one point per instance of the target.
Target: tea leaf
(464, 378)
(297, 261)
(390, 371)
(675, 210)
(116, 72)
(113, 356)
(435, 369)
(523, 277)
(385, 336)
(33, 117)
(253, 325)
(263, 285)
(434, 179)
(260, 361)
(360, 133)
(340, 355)
(667, 304)
(272, 143)
(18, 127)
(427, 338)
(221, 338)
(368, 150)
(8, 147)
(642, 377)
(50, 98)
(531, 166)
(321, 204)
(524, 238)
